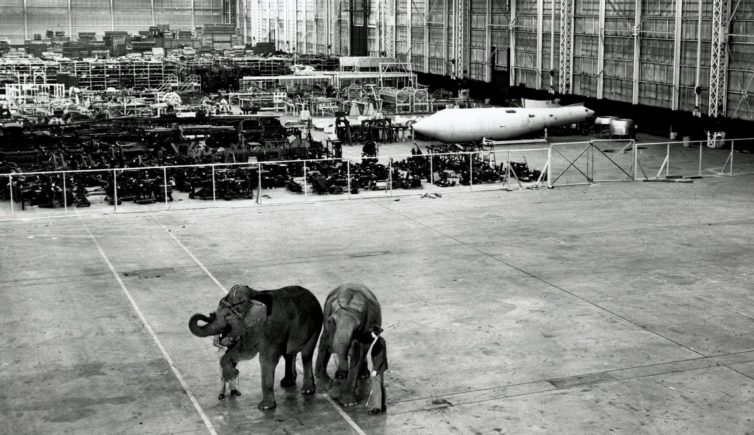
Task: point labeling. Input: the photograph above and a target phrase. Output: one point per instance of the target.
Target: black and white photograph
(376, 217)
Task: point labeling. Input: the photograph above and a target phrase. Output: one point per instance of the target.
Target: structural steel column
(698, 78)
(637, 52)
(112, 16)
(718, 72)
(426, 36)
(601, 50)
(26, 22)
(152, 8)
(565, 76)
(193, 13)
(488, 41)
(70, 20)
(445, 31)
(552, 45)
(675, 96)
(409, 31)
(512, 42)
(540, 20)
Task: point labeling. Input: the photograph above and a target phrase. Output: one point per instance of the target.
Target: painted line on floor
(335, 406)
(143, 319)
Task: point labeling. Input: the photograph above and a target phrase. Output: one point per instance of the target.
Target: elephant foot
(308, 388)
(288, 382)
(341, 374)
(348, 401)
(221, 396)
(364, 374)
(266, 405)
(235, 393)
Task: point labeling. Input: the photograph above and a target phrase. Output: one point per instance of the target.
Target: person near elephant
(271, 324)
(351, 310)
(222, 345)
(377, 361)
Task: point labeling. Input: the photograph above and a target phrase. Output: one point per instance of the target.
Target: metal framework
(718, 72)
(462, 47)
(565, 76)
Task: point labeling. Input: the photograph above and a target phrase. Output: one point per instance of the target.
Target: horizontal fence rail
(509, 167)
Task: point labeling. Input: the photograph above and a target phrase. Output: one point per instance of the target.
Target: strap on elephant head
(233, 294)
(337, 306)
(232, 300)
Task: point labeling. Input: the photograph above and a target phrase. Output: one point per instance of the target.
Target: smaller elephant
(271, 323)
(350, 312)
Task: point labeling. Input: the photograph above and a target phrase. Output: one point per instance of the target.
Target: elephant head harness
(337, 306)
(232, 306)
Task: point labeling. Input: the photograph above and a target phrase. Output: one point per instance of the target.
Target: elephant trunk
(211, 327)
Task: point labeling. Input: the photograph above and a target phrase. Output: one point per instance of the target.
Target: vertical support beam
(409, 31)
(70, 20)
(193, 13)
(698, 78)
(112, 16)
(552, 45)
(389, 23)
(244, 15)
(540, 25)
(26, 22)
(445, 34)
(675, 96)
(426, 36)
(636, 31)
(601, 50)
(718, 72)
(565, 75)
(488, 41)
(512, 36)
(152, 8)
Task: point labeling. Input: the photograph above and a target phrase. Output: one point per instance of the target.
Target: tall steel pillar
(512, 43)
(636, 33)
(540, 29)
(565, 76)
(601, 51)
(389, 23)
(676, 90)
(718, 71)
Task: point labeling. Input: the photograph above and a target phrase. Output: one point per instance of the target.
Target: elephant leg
(289, 380)
(348, 391)
(307, 354)
(323, 358)
(268, 364)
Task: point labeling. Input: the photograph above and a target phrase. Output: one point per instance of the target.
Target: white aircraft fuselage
(497, 123)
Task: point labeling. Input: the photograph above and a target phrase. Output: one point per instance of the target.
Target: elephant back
(358, 299)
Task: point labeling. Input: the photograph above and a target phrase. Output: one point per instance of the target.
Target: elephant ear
(264, 298)
(257, 314)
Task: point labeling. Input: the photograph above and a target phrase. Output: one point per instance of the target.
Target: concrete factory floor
(615, 307)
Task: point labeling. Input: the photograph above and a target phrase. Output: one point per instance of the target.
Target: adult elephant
(351, 310)
(271, 323)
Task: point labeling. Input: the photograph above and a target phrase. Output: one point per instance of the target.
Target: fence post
(214, 193)
(701, 145)
(471, 171)
(431, 170)
(636, 160)
(348, 177)
(389, 190)
(10, 187)
(165, 183)
(549, 166)
(732, 145)
(259, 182)
(65, 195)
(115, 189)
(667, 168)
(305, 194)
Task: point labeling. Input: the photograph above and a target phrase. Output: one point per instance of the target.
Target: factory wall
(632, 51)
(21, 19)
